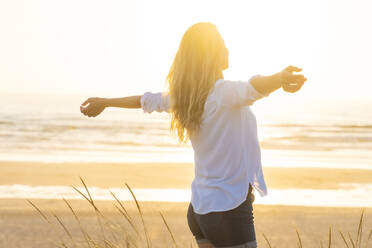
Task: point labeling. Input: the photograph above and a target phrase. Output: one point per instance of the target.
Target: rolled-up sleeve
(155, 102)
(238, 93)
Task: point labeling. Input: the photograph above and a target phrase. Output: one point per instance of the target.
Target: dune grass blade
(86, 198)
(86, 188)
(351, 240)
(299, 239)
(369, 237)
(109, 244)
(359, 233)
(64, 228)
(125, 213)
(267, 240)
(169, 230)
(46, 219)
(38, 210)
(98, 213)
(121, 205)
(344, 239)
(86, 236)
(82, 194)
(128, 219)
(141, 215)
(90, 200)
(128, 242)
(329, 237)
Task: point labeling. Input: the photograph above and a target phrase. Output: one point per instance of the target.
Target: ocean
(51, 129)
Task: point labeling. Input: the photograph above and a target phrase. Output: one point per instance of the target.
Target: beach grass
(136, 233)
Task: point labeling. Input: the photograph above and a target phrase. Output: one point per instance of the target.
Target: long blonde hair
(199, 62)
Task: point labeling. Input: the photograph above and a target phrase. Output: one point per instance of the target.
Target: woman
(214, 114)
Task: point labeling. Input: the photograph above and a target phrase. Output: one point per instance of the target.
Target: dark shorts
(232, 228)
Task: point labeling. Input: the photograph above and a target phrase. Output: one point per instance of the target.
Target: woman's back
(226, 150)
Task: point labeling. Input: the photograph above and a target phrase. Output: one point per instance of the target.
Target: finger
(83, 110)
(93, 112)
(292, 68)
(299, 86)
(86, 102)
(289, 77)
(292, 87)
(296, 81)
(297, 77)
(97, 113)
(295, 88)
(90, 112)
(87, 109)
(288, 87)
(300, 81)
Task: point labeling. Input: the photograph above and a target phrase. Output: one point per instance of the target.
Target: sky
(119, 48)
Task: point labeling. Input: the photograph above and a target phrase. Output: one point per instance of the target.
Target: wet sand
(164, 175)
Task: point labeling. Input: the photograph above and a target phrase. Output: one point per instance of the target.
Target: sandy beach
(22, 226)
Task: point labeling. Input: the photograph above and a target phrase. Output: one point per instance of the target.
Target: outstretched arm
(124, 102)
(286, 79)
(95, 105)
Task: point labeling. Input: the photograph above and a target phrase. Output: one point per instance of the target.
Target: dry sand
(22, 226)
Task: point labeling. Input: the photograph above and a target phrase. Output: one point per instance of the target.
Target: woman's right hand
(93, 106)
(291, 82)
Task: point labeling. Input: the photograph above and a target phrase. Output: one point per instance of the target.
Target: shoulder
(236, 92)
(223, 85)
(219, 86)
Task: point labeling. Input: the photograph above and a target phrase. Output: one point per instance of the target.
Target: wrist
(277, 78)
(105, 102)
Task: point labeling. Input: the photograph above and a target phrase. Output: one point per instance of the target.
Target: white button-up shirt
(226, 150)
